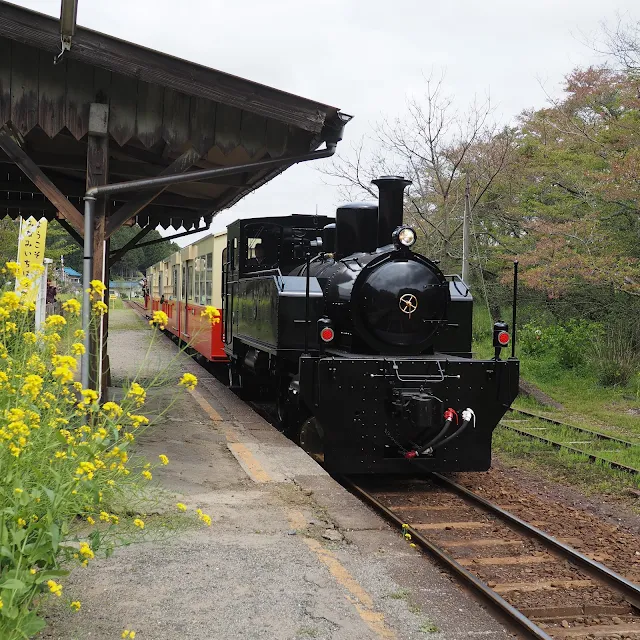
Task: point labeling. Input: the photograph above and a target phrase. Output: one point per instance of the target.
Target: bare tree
(621, 41)
(435, 146)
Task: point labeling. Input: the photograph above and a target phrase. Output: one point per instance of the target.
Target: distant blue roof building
(72, 272)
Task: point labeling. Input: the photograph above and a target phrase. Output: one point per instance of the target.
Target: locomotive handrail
(422, 378)
(454, 278)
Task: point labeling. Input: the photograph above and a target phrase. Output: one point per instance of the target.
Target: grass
(609, 410)
(560, 466)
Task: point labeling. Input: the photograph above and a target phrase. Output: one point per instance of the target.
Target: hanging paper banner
(31, 241)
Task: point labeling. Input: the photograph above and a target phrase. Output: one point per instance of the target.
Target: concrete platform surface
(290, 554)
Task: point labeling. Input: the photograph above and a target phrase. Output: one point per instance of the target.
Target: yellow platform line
(356, 594)
(248, 461)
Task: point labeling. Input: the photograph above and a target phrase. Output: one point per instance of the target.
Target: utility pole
(466, 224)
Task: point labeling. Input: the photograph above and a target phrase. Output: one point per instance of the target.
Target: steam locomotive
(364, 343)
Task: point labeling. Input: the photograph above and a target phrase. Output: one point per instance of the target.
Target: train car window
(190, 281)
(209, 279)
(236, 259)
(197, 280)
(262, 246)
(184, 283)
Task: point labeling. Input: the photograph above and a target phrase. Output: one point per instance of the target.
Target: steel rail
(514, 615)
(597, 570)
(560, 445)
(575, 427)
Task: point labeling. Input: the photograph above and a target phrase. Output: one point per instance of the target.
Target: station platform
(290, 553)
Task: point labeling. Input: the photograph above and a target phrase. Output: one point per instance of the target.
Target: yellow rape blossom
(181, 507)
(137, 420)
(54, 320)
(112, 410)
(79, 334)
(100, 307)
(89, 396)
(86, 552)
(77, 348)
(10, 300)
(29, 337)
(64, 361)
(72, 306)
(138, 523)
(54, 587)
(13, 268)
(75, 605)
(204, 517)
(189, 381)
(97, 286)
(90, 520)
(32, 386)
(147, 474)
(163, 459)
(212, 313)
(137, 394)
(63, 375)
(128, 634)
(159, 319)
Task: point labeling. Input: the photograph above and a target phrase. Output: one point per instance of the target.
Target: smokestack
(390, 201)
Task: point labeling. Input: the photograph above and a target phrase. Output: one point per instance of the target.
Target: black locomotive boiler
(364, 343)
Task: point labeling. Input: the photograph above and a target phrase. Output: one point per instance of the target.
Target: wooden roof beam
(131, 209)
(40, 180)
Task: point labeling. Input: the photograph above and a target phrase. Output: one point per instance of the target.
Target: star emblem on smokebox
(408, 303)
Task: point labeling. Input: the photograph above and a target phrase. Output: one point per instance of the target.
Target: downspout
(87, 270)
(332, 135)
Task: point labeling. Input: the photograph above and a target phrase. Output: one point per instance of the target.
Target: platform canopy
(163, 115)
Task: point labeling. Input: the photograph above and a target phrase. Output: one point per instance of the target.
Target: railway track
(592, 444)
(542, 585)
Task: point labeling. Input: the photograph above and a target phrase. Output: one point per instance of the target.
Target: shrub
(533, 340)
(569, 343)
(65, 460)
(573, 341)
(615, 356)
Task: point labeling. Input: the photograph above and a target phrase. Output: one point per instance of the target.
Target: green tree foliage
(132, 264)
(138, 260)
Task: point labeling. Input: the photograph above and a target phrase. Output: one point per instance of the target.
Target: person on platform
(52, 292)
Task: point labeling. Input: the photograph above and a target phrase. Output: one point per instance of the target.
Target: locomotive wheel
(312, 439)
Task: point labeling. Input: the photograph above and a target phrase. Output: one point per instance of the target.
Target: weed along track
(542, 584)
(596, 446)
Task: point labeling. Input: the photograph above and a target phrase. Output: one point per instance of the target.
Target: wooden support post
(97, 175)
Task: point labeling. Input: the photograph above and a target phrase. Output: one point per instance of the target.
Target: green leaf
(48, 575)
(95, 540)
(31, 625)
(54, 532)
(12, 584)
(5, 552)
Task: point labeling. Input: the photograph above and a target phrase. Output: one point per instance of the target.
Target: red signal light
(327, 334)
(503, 338)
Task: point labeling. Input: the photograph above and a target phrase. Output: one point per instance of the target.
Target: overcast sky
(363, 56)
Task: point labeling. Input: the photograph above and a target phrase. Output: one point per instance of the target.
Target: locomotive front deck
(361, 405)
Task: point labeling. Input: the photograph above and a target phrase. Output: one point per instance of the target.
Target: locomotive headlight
(404, 237)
